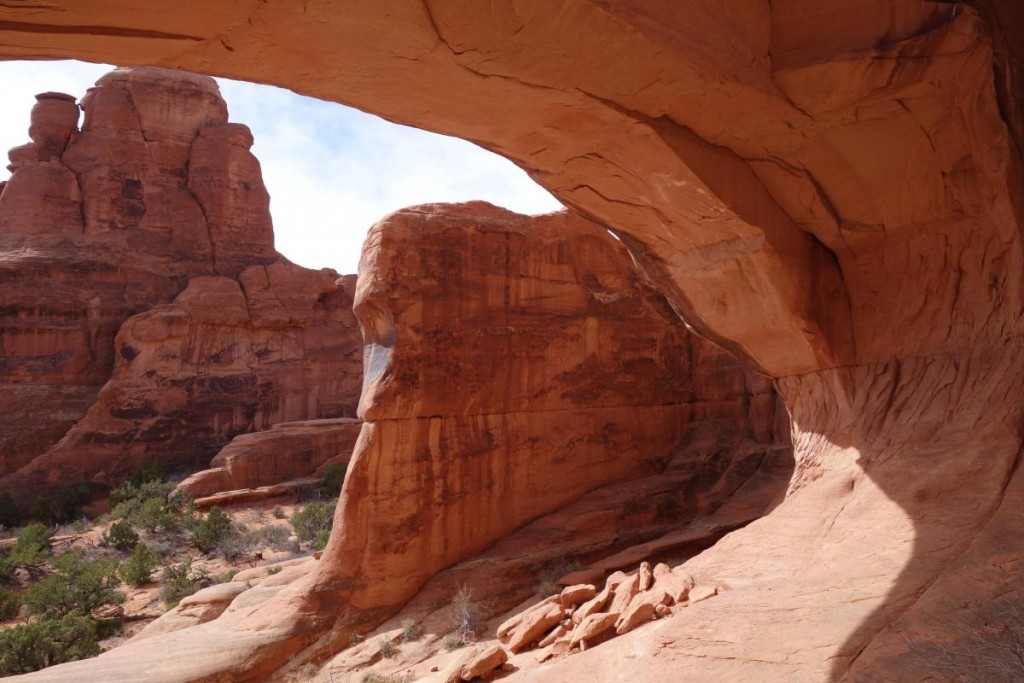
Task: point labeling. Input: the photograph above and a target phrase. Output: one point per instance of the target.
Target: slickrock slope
(156, 195)
(831, 189)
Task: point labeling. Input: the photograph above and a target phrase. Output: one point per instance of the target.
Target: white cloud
(332, 171)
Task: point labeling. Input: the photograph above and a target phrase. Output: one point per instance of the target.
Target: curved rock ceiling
(831, 189)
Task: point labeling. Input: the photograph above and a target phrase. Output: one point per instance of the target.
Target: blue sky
(332, 171)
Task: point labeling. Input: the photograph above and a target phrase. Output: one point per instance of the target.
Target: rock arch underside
(830, 190)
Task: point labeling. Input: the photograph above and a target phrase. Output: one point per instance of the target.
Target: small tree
(180, 581)
(121, 536)
(10, 604)
(137, 570)
(35, 646)
(334, 477)
(212, 530)
(75, 585)
(30, 552)
(314, 522)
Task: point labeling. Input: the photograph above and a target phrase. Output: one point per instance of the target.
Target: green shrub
(10, 516)
(150, 505)
(374, 677)
(213, 530)
(452, 641)
(35, 646)
(62, 507)
(314, 521)
(180, 581)
(147, 472)
(278, 512)
(75, 585)
(137, 570)
(10, 604)
(334, 477)
(273, 570)
(121, 536)
(30, 552)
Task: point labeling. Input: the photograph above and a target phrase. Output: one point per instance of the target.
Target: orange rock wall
(830, 189)
(512, 364)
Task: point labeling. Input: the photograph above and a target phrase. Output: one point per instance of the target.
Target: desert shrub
(30, 552)
(35, 646)
(63, 506)
(273, 570)
(10, 604)
(75, 585)
(10, 515)
(146, 472)
(452, 641)
(121, 536)
(180, 581)
(410, 630)
(278, 512)
(212, 530)
(137, 570)
(387, 649)
(241, 542)
(151, 505)
(334, 477)
(313, 522)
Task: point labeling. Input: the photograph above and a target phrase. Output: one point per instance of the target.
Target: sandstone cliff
(830, 189)
(155, 197)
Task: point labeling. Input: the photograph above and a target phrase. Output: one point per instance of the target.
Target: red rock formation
(287, 451)
(531, 366)
(828, 188)
(110, 221)
(225, 358)
(101, 223)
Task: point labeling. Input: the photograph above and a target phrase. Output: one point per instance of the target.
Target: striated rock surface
(227, 357)
(532, 366)
(155, 198)
(101, 222)
(287, 451)
(830, 189)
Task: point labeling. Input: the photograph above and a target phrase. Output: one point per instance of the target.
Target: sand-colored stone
(828, 188)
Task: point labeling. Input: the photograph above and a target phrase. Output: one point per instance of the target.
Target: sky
(332, 171)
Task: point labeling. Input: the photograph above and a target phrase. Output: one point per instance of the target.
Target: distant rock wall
(155, 195)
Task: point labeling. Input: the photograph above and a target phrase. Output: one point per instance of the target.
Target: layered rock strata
(286, 452)
(156, 196)
(532, 365)
(830, 189)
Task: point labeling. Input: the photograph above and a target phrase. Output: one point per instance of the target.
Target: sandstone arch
(830, 189)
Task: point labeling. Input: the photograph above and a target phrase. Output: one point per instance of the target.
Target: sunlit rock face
(830, 189)
(513, 364)
(154, 194)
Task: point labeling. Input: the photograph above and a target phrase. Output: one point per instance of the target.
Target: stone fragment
(591, 627)
(702, 593)
(557, 633)
(592, 606)
(645, 577)
(534, 625)
(637, 614)
(623, 593)
(574, 595)
(507, 627)
(483, 662)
